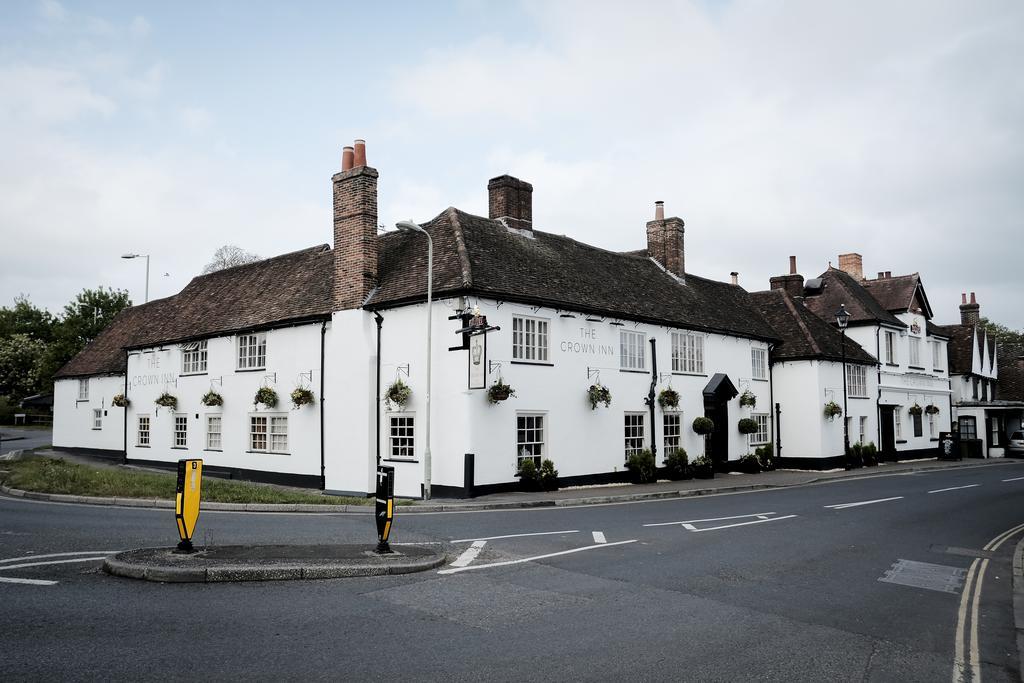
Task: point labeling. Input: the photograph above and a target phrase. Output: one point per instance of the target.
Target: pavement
(1018, 601)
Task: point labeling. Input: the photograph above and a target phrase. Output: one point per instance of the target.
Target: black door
(885, 421)
(717, 443)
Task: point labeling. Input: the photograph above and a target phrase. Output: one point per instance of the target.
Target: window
(890, 347)
(933, 427)
(763, 434)
(529, 339)
(193, 358)
(672, 431)
(634, 433)
(529, 438)
(897, 423)
(631, 350)
(252, 351)
(984, 391)
(863, 429)
(268, 433)
(180, 431)
(915, 352)
(918, 424)
(83, 390)
(975, 381)
(995, 432)
(142, 434)
(401, 436)
(213, 427)
(759, 363)
(687, 352)
(857, 380)
(968, 428)
(937, 355)
(97, 418)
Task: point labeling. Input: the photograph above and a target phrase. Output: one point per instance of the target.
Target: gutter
(323, 463)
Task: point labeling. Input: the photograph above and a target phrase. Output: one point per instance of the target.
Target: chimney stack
(888, 274)
(735, 277)
(355, 229)
(852, 265)
(792, 265)
(792, 284)
(665, 241)
(510, 200)
(970, 313)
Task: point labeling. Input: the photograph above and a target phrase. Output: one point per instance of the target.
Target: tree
(229, 256)
(21, 361)
(24, 318)
(1002, 333)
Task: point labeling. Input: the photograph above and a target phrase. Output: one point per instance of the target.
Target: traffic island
(268, 563)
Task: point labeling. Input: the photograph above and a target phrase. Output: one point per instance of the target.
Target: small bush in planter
(703, 467)
(833, 410)
(854, 457)
(266, 396)
(766, 457)
(641, 466)
(703, 426)
(932, 409)
(870, 454)
(749, 464)
(677, 465)
(499, 391)
(915, 409)
(668, 398)
(747, 425)
(301, 396)
(748, 399)
(529, 477)
(397, 394)
(548, 475)
(166, 400)
(599, 394)
(212, 398)
(120, 400)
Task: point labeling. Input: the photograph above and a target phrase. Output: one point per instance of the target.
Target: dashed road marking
(494, 538)
(43, 557)
(470, 554)
(40, 564)
(760, 518)
(843, 506)
(954, 488)
(760, 515)
(31, 582)
(1014, 479)
(506, 563)
(599, 537)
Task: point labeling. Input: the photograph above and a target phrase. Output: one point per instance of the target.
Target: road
(777, 585)
(13, 438)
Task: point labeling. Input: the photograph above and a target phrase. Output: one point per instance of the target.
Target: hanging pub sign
(478, 361)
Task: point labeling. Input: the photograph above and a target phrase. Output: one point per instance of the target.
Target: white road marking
(31, 582)
(494, 538)
(43, 557)
(974, 654)
(843, 506)
(954, 488)
(959, 664)
(759, 515)
(599, 537)
(470, 554)
(729, 526)
(1014, 479)
(39, 564)
(531, 559)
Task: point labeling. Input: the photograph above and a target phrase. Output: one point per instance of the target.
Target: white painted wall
(73, 424)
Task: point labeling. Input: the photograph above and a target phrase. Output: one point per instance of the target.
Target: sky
(806, 128)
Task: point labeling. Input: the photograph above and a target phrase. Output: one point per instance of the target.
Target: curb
(1018, 601)
(388, 565)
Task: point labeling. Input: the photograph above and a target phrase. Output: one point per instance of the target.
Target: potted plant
(266, 396)
(529, 477)
(703, 426)
(747, 425)
(748, 399)
(833, 410)
(548, 475)
(765, 456)
(598, 394)
(703, 468)
(668, 398)
(166, 400)
(932, 409)
(677, 465)
(915, 409)
(854, 457)
(212, 398)
(499, 391)
(749, 464)
(120, 400)
(641, 466)
(397, 394)
(301, 396)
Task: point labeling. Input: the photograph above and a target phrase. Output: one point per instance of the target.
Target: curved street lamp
(843, 319)
(145, 256)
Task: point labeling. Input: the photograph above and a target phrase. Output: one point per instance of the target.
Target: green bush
(548, 475)
(641, 466)
(703, 467)
(677, 465)
(668, 398)
(529, 476)
(749, 464)
(870, 454)
(747, 425)
(766, 457)
(854, 458)
(703, 425)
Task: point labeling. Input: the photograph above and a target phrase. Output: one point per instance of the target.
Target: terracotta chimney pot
(792, 265)
(347, 156)
(659, 211)
(359, 154)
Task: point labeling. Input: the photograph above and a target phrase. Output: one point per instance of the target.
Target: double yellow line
(966, 662)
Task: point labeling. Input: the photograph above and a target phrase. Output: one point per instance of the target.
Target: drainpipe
(878, 385)
(771, 398)
(124, 458)
(380, 323)
(650, 394)
(323, 462)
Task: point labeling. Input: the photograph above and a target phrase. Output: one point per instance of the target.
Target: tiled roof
(896, 293)
(804, 335)
(1010, 386)
(839, 288)
(479, 256)
(960, 347)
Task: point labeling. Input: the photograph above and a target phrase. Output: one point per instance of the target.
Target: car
(1015, 446)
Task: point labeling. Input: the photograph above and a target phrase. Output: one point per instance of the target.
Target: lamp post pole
(842, 319)
(145, 256)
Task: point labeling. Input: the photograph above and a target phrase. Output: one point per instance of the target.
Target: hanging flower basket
(166, 400)
(212, 398)
(120, 400)
(915, 409)
(833, 410)
(499, 391)
(301, 397)
(266, 396)
(748, 399)
(397, 395)
(703, 425)
(668, 398)
(932, 409)
(747, 425)
(599, 394)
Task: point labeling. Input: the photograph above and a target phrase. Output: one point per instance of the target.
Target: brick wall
(665, 244)
(355, 236)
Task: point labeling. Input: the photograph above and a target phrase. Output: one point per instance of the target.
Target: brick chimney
(852, 265)
(792, 284)
(665, 241)
(970, 313)
(511, 200)
(355, 229)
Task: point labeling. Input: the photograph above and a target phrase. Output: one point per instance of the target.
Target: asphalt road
(769, 585)
(13, 439)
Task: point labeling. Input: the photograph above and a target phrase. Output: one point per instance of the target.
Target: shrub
(599, 394)
(548, 475)
(212, 398)
(703, 467)
(499, 391)
(166, 400)
(749, 463)
(668, 398)
(301, 397)
(747, 425)
(832, 410)
(397, 394)
(641, 466)
(748, 399)
(120, 400)
(870, 454)
(854, 458)
(677, 465)
(766, 457)
(266, 396)
(528, 475)
(703, 425)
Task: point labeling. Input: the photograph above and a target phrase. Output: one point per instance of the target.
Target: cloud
(195, 119)
(139, 28)
(52, 10)
(37, 96)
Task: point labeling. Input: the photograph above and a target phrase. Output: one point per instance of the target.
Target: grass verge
(50, 475)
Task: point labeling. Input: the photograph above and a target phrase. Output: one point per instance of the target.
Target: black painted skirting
(814, 464)
(441, 491)
(102, 453)
(308, 481)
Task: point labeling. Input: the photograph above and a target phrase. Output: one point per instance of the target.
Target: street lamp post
(145, 256)
(409, 226)
(843, 319)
